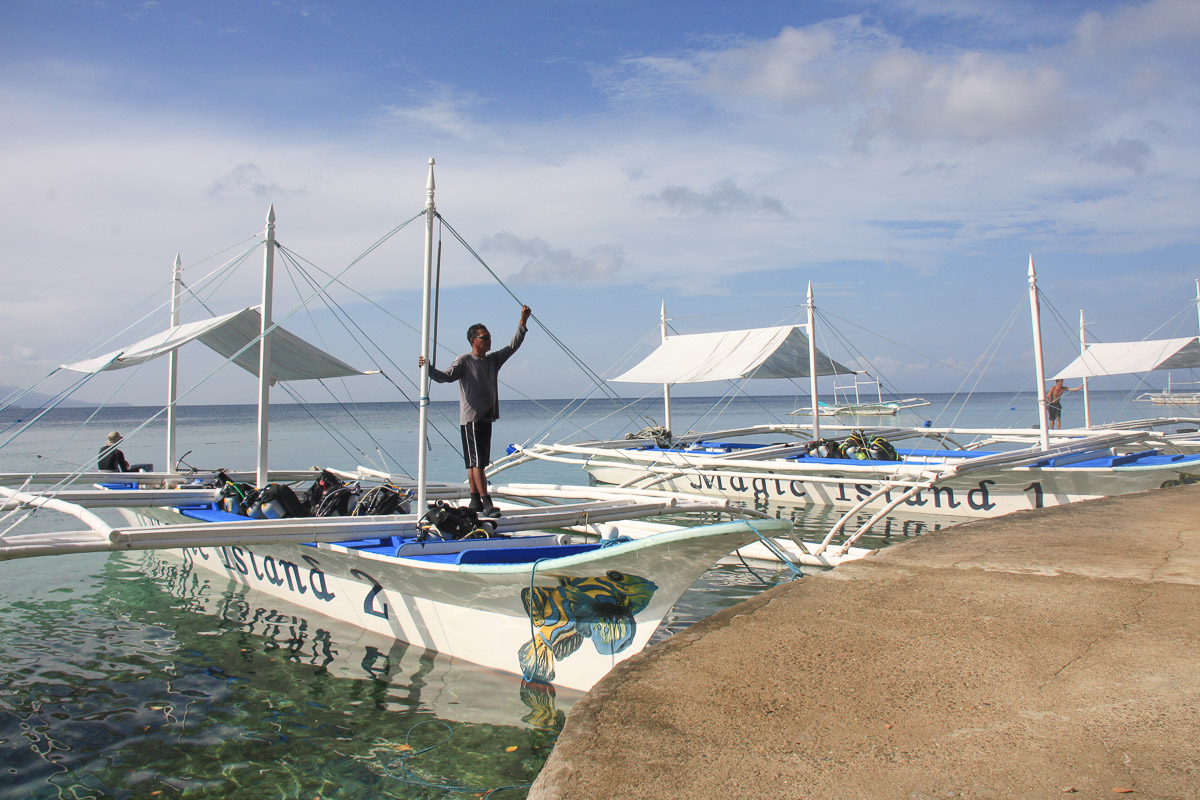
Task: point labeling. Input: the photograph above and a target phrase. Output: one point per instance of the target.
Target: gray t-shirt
(478, 390)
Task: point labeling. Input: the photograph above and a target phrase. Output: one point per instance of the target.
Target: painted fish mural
(563, 617)
(539, 698)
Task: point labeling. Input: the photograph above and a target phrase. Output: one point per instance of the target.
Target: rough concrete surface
(1051, 653)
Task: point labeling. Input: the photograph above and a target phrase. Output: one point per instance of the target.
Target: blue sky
(906, 156)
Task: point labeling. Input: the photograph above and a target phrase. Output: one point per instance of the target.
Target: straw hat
(114, 437)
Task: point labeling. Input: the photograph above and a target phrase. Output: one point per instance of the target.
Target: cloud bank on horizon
(904, 155)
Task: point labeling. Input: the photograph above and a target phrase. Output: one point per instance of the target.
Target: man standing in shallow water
(479, 402)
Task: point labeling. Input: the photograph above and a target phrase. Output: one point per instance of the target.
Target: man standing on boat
(1054, 402)
(479, 402)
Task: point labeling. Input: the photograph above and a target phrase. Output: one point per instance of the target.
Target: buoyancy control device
(384, 499)
(455, 522)
(860, 447)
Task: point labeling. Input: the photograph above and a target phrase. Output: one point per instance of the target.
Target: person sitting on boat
(111, 459)
(479, 402)
(1054, 402)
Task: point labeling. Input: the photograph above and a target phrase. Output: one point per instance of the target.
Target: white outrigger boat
(858, 407)
(557, 591)
(1098, 359)
(1101, 359)
(1172, 396)
(872, 469)
(1171, 434)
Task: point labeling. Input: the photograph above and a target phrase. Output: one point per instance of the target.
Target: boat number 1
(1036, 489)
(369, 606)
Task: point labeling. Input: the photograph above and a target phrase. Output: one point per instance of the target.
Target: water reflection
(409, 678)
(812, 523)
(122, 689)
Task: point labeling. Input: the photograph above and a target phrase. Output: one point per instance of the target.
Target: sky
(906, 157)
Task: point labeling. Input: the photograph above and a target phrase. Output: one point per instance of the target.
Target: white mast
(173, 365)
(1087, 400)
(666, 386)
(812, 363)
(1039, 367)
(264, 350)
(426, 301)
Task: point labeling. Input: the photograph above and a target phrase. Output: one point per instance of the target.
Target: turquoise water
(127, 678)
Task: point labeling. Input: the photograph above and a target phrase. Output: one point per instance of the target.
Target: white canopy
(1122, 358)
(292, 358)
(780, 352)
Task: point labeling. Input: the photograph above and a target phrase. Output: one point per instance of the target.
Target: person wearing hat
(111, 459)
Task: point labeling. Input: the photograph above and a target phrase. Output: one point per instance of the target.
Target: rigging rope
(321, 290)
(562, 346)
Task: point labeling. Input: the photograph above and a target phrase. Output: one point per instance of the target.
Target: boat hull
(453, 689)
(590, 610)
(1171, 398)
(977, 495)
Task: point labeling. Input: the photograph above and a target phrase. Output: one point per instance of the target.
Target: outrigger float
(570, 581)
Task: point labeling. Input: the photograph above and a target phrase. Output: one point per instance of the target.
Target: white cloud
(973, 98)
(446, 113)
(723, 198)
(791, 69)
(844, 150)
(1128, 154)
(882, 87)
(1144, 27)
(247, 176)
(546, 264)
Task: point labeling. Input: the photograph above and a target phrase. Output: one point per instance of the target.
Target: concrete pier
(1050, 653)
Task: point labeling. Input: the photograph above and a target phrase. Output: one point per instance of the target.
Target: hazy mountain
(37, 399)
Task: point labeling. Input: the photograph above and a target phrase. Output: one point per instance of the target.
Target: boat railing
(593, 505)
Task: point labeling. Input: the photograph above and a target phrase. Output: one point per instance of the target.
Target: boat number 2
(369, 604)
(1036, 489)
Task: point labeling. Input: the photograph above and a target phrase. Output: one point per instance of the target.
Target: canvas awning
(780, 352)
(1122, 358)
(292, 358)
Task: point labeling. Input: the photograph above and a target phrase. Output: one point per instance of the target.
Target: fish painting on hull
(601, 609)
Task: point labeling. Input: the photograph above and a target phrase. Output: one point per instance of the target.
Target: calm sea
(125, 678)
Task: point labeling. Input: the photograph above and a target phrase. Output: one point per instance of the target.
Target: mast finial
(429, 186)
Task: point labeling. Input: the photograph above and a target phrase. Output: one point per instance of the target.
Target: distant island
(37, 399)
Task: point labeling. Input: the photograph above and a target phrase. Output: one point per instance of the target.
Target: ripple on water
(116, 688)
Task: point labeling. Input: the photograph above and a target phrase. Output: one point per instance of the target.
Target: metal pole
(812, 363)
(173, 365)
(666, 386)
(426, 304)
(264, 351)
(1039, 367)
(1087, 399)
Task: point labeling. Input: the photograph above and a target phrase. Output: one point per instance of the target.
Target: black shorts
(1053, 411)
(477, 444)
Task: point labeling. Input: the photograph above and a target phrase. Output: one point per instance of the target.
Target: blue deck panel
(1143, 458)
(389, 545)
(518, 555)
(506, 555)
(385, 545)
(209, 513)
